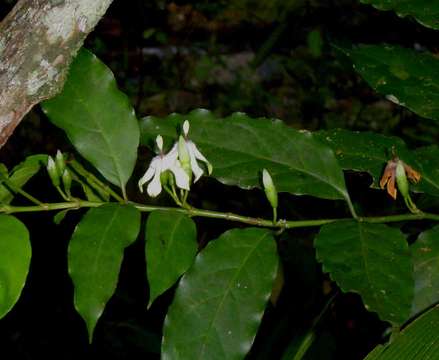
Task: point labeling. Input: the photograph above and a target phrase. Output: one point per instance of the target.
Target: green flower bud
(403, 186)
(53, 172)
(269, 188)
(401, 179)
(60, 163)
(184, 157)
(67, 181)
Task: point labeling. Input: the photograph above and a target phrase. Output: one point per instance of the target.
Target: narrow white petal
(181, 178)
(159, 142)
(155, 187)
(196, 152)
(196, 169)
(186, 128)
(149, 173)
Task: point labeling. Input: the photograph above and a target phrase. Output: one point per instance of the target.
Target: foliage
(221, 283)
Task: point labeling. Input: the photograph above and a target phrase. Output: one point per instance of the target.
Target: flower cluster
(178, 165)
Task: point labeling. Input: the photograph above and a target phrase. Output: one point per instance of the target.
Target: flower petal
(181, 178)
(391, 189)
(412, 174)
(195, 155)
(149, 173)
(155, 187)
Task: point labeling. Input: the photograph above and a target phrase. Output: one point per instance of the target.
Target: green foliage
(223, 291)
(425, 254)
(171, 246)
(419, 341)
(15, 255)
(95, 256)
(240, 147)
(221, 299)
(103, 130)
(20, 175)
(424, 11)
(372, 260)
(369, 152)
(406, 77)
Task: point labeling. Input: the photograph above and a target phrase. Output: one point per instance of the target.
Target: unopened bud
(53, 172)
(60, 163)
(269, 188)
(184, 157)
(403, 186)
(67, 181)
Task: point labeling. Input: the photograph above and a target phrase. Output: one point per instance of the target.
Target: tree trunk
(38, 40)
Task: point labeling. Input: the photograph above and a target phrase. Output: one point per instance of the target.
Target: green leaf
(418, 341)
(406, 77)
(97, 118)
(427, 162)
(364, 151)
(60, 215)
(21, 174)
(95, 256)
(171, 246)
(426, 12)
(372, 260)
(425, 254)
(369, 152)
(239, 147)
(220, 300)
(15, 255)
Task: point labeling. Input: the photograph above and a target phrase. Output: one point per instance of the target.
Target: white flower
(160, 164)
(194, 154)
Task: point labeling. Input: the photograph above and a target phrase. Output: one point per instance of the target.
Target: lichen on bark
(38, 40)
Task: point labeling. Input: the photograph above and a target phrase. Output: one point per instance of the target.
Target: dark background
(267, 58)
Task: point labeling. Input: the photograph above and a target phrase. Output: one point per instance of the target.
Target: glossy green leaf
(427, 162)
(425, 12)
(239, 147)
(425, 254)
(372, 260)
(364, 151)
(97, 118)
(15, 255)
(369, 152)
(21, 174)
(418, 341)
(220, 300)
(406, 77)
(95, 256)
(171, 246)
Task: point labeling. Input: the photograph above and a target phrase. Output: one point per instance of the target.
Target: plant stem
(95, 182)
(20, 191)
(194, 212)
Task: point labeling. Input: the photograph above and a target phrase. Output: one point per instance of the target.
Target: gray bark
(38, 40)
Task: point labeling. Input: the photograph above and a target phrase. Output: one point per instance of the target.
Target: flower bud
(67, 181)
(184, 156)
(53, 172)
(401, 179)
(403, 186)
(60, 163)
(269, 188)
